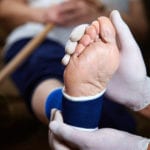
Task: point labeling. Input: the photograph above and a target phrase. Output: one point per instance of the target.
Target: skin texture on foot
(95, 60)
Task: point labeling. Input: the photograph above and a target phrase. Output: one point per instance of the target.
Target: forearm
(40, 95)
(17, 12)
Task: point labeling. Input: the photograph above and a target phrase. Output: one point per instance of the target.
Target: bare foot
(95, 60)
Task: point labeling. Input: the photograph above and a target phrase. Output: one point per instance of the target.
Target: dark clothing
(44, 63)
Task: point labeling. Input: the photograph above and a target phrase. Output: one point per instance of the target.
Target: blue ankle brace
(54, 100)
(82, 113)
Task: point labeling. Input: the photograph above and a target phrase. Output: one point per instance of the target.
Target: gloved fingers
(75, 36)
(129, 47)
(58, 116)
(57, 145)
(70, 47)
(52, 117)
(72, 43)
(65, 60)
(78, 32)
(124, 34)
(53, 111)
(54, 143)
(69, 134)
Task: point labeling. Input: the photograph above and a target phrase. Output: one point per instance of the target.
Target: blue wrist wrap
(54, 100)
(83, 114)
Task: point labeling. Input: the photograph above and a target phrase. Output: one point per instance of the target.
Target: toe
(107, 30)
(79, 49)
(85, 40)
(96, 25)
(91, 31)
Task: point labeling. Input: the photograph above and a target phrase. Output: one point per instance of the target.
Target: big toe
(107, 33)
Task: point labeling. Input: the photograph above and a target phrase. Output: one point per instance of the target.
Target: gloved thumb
(130, 51)
(68, 133)
(124, 34)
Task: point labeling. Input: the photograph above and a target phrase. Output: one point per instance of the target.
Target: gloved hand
(54, 142)
(130, 85)
(103, 139)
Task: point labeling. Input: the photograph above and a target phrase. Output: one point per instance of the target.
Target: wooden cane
(24, 53)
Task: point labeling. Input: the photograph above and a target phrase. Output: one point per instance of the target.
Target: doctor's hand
(102, 139)
(130, 85)
(55, 142)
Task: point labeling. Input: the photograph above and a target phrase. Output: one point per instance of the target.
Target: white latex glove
(103, 139)
(130, 85)
(71, 44)
(54, 142)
